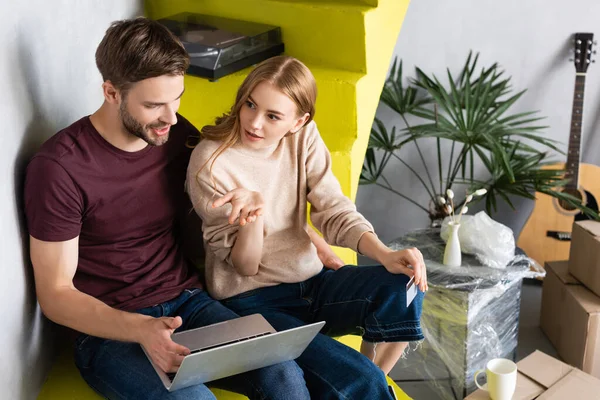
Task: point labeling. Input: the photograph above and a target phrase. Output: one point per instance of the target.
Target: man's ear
(112, 95)
(300, 123)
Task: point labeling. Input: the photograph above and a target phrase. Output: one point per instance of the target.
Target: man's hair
(136, 49)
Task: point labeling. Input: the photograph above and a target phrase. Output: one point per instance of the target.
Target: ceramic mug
(501, 379)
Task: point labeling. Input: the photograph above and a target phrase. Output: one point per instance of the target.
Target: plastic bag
(491, 242)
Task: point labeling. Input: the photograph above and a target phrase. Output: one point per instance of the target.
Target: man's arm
(54, 265)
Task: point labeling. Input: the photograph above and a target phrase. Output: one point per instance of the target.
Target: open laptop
(232, 347)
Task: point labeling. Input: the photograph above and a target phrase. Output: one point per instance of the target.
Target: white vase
(452, 254)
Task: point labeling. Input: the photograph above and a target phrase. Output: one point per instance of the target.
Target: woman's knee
(390, 317)
(392, 287)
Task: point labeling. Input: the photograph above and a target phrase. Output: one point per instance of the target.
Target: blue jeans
(368, 301)
(120, 370)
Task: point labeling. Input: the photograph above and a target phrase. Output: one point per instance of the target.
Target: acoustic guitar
(546, 235)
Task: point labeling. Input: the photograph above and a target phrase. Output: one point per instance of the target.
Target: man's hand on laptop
(155, 337)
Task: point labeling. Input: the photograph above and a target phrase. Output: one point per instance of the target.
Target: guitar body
(546, 234)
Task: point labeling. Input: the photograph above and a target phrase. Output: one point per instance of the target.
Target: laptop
(233, 347)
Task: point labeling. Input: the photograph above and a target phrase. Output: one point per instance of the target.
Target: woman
(250, 182)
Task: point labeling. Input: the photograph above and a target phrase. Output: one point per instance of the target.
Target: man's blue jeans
(120, 370)
(368, 301)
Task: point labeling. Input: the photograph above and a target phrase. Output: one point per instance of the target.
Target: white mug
(501, 379)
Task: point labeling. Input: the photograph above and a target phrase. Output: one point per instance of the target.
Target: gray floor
(530, 338)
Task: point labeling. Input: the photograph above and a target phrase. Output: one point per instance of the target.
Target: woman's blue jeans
(366, 300)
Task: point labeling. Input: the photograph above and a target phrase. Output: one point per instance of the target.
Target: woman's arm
(332, 213)
(408, 261)
(336, 216)
(213, 200)
(247, 250)
(246, 208)
(324, 251)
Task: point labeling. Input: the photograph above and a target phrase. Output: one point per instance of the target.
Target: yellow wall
(347, 44)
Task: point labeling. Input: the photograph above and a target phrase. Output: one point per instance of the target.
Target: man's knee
(283, 381)
(360, 379)
(199, 392)
(370, 382)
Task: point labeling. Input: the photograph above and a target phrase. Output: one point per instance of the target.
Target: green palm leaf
(473, 112)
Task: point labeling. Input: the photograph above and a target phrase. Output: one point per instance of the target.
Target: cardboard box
(554, 293)
(570, 317)
(584, 258)
(542, 377)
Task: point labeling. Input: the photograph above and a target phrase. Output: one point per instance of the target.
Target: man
(102, 198)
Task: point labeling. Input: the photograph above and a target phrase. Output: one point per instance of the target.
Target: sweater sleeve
(333, 213)
(218, 234)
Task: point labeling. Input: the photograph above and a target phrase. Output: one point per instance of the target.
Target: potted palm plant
(471, 114)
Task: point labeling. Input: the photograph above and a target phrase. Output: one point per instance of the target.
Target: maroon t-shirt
(123, 206)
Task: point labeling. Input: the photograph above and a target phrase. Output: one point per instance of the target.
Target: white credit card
(411, 291)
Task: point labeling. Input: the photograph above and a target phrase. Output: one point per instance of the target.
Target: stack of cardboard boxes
(542, 377)
(570, 317)
(570, 314)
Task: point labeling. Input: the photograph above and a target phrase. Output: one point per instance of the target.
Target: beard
(135, 128)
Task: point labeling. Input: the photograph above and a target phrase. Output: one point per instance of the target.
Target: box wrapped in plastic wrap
(470, 316)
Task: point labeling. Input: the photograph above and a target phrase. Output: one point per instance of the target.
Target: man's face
(148, 108)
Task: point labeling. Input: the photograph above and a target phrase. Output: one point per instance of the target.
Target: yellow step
(321, 33)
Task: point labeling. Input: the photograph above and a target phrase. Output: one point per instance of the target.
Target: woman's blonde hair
(287, 74)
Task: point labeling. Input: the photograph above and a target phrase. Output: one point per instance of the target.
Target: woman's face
(267, 116)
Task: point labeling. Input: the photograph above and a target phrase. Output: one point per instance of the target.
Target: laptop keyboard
(230, 342)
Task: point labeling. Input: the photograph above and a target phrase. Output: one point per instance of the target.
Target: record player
(220, 46)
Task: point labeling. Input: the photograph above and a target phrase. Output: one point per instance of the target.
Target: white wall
(530, 39)
(48, 79)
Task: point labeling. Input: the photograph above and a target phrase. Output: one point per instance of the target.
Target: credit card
(411, 291)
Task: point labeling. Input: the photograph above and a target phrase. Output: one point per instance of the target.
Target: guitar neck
(574, 150)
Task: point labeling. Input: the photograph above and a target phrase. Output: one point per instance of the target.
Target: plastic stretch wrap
(470, 316)
(491, 242)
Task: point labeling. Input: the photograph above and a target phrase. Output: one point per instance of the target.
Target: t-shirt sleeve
(333, 213)
(53, 203)
(218, 234)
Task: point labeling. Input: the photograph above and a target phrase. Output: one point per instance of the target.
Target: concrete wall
(48, 79)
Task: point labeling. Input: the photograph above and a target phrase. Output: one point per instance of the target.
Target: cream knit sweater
(288, 175)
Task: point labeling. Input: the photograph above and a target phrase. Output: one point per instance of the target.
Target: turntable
(220, 46)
